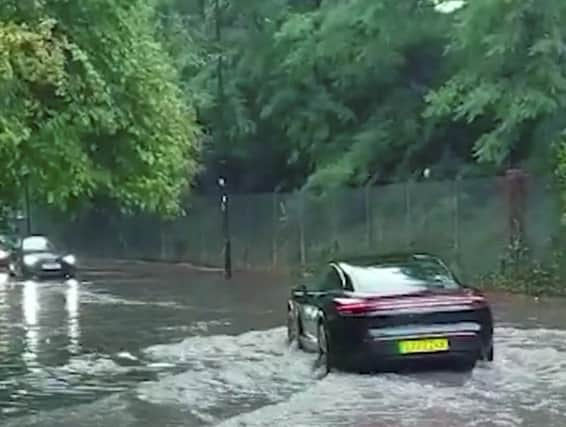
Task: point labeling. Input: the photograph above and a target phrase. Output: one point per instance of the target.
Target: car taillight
(361, 305)
(354, 305)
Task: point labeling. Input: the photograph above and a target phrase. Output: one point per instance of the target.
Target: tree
(360, 69)
(313, 92)
(322, 94)
(91, 106)
(510, 79)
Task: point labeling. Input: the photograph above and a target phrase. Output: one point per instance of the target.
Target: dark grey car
(37, 257)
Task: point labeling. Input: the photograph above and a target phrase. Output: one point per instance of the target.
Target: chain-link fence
(465, 222)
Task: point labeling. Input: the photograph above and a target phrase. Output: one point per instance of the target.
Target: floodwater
(149, 346)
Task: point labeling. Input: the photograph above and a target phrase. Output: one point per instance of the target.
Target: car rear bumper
(385, 355)
(383, 352)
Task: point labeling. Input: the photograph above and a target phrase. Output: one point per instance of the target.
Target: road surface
(169, 346)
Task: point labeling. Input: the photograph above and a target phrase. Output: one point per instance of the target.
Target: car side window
(333, 281)
(314, 282)
(328, 280)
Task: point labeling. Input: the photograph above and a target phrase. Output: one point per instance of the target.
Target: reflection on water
(30, 307)
(72, 305)
(4, 278)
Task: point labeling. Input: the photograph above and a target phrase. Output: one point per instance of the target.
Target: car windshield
(400, 277)
(36, 244)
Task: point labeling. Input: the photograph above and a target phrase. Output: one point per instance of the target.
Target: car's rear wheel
(488, 354)
(292, 327)
(325, 355)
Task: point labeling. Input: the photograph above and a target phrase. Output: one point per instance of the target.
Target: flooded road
(170, 347)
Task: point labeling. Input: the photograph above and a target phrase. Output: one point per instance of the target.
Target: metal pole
(274, 232)
(369, 210)
(224, 206)
(302, 248)
(408, 217)
(27, 202)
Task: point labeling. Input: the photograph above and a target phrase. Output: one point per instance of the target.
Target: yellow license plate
(423, 346)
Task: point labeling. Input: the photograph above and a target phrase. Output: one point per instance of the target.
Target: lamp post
(20, 218)
(27, 203)
(224, 208)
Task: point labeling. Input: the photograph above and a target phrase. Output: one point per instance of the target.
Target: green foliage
(510, 75)
(292, 94)
(360, 71)
(522, 273)
(330, 93)
(560, 150)
(91, 106)
(313, 93)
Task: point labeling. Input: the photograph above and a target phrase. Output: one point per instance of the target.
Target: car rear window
(393, 278)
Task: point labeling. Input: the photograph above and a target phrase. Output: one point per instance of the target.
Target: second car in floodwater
(36, 257)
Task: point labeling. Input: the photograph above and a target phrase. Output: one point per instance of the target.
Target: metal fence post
(302, 249)
(516, 180)
(203, 249)
(274, 248)
(369, 217)
(334, 212)
(163, 249)
(27, 203)
(408, 217)
(456, 222)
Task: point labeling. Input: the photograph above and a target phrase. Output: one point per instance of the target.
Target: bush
(520, 273)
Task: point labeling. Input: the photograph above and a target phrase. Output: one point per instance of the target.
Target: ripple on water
(92, 297)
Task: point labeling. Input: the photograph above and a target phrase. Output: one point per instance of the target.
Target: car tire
(325, 354)
(488, 355)
(292, 327)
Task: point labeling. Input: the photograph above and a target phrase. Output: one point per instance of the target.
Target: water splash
(255, 379)
(257, 373)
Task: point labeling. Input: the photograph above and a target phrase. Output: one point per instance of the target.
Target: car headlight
(30, 259)
(4, 254)
(70, 259)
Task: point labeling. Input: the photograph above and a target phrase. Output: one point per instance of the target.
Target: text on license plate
(432, 345)
(52, 266)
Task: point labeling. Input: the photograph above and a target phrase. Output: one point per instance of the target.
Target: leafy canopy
(511, 76)
(90, 106)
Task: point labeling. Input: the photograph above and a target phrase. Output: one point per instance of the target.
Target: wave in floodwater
(227, 375)
(255, 379)
(92, 297)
